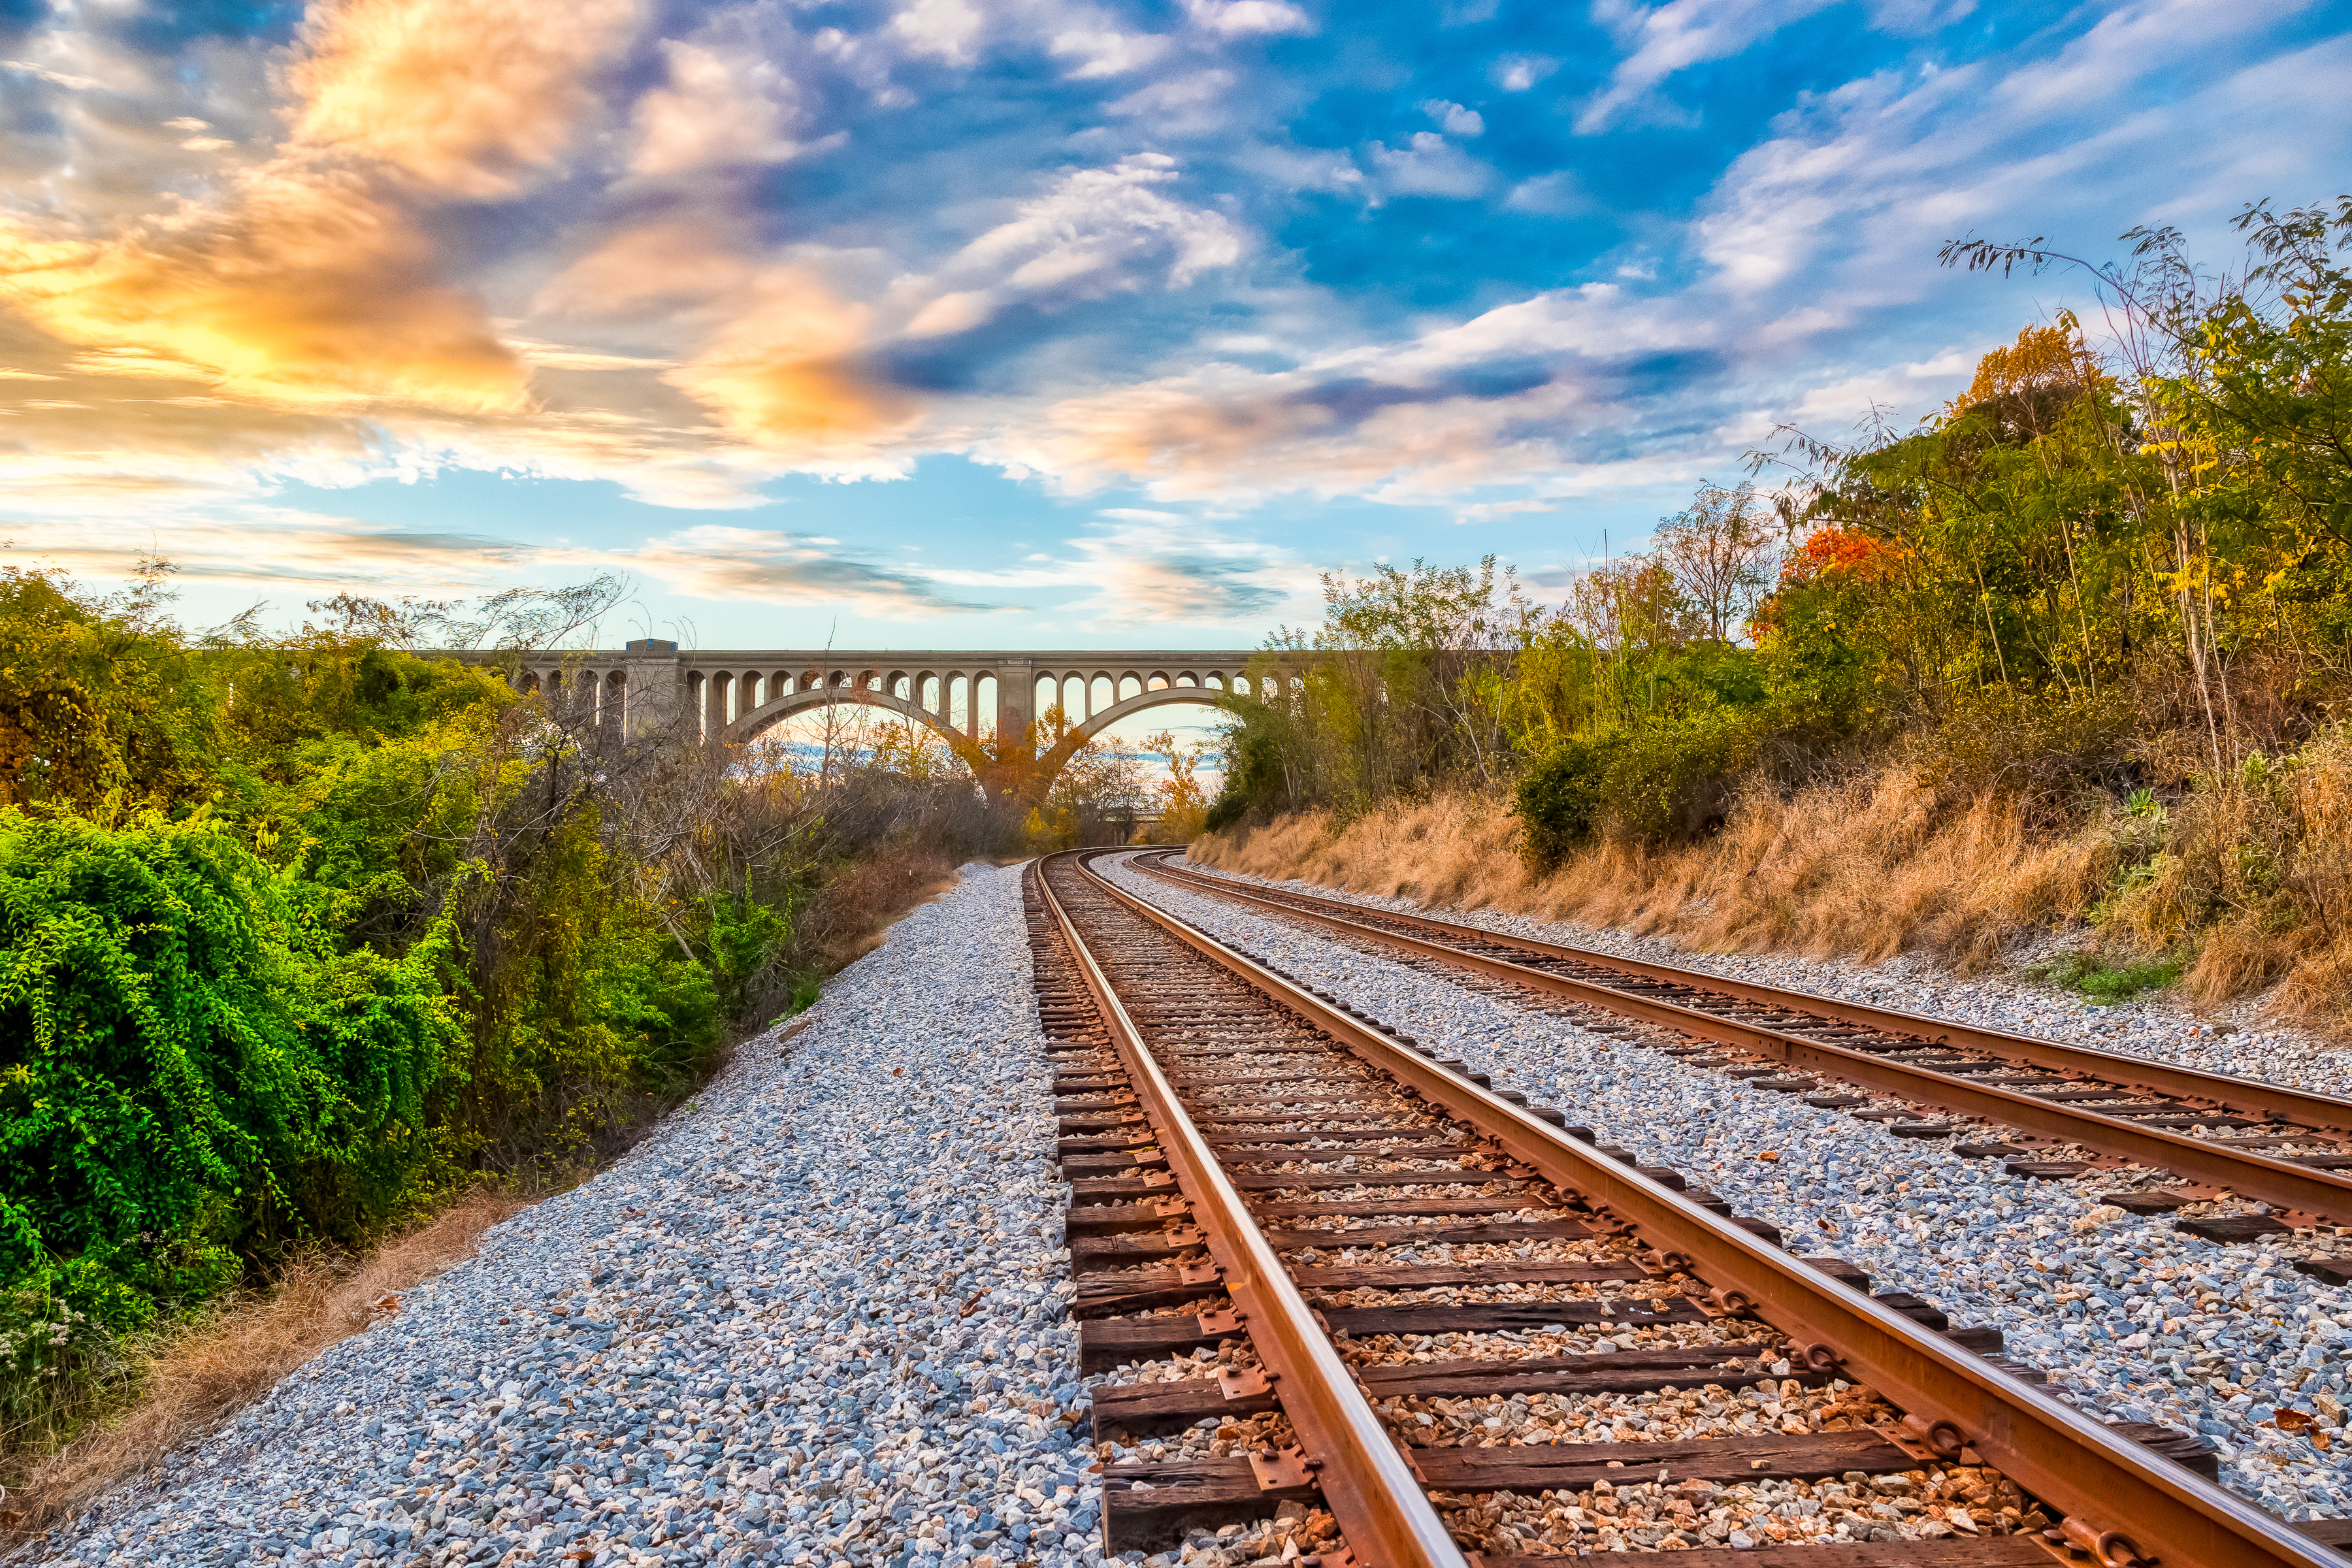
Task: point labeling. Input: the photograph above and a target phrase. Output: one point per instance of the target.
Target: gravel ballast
(818, 1317)
(2133, 1320)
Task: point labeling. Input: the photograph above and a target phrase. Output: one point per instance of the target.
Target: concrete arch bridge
(985, 704)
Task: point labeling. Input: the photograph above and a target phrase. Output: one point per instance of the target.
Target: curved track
(2220, 1135)
(1386, 1262)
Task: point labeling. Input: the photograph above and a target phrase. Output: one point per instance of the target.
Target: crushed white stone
(818, 1318)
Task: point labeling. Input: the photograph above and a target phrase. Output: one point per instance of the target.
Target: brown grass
(852, 911)
(2253, 879)
(200, 1373)
(1865, 868)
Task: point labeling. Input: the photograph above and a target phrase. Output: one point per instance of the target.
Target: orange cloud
(312, 283)
(462, 95)
(312, 289)
(786, 374)
(659, 264)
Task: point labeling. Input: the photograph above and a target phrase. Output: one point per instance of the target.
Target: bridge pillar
(1017, 702)
(655, 677)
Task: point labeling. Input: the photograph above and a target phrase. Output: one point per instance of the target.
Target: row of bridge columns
(977, 703)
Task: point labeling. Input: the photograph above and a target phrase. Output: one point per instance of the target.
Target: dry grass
(853, 910)
(2254, 879)
(1865, 868)
(202, 1373)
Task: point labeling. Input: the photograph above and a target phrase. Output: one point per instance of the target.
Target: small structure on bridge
(984, 704)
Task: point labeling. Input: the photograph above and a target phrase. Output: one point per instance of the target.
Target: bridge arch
(1050, 760)
(1029, 778)
(967, 750)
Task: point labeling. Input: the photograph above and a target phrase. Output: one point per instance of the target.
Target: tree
(1718, 551)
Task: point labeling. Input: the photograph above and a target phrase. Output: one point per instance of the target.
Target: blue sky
(959, 323)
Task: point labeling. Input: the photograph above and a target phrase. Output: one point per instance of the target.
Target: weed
(2094, 977)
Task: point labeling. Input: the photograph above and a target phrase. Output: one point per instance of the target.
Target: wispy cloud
(1210, 255)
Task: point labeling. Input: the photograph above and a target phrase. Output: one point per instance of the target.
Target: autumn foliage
(2097, 608)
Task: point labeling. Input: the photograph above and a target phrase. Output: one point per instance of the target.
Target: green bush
(1647, 783)
(1559, 800)
(1672, 781)
(192, 1064)
(1227, 809)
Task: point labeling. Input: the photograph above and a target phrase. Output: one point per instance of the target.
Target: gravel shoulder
(2133, 1320)
(818, 1318)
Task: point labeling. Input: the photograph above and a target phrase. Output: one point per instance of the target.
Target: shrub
(1558, 801)
(191, 1064)
(1673, 781)
(1227, 809)
(1662, 783)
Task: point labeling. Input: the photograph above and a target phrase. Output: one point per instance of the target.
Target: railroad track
(1351, 1278)
(2049, 1110)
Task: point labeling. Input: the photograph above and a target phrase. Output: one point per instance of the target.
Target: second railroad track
(2053, 1110)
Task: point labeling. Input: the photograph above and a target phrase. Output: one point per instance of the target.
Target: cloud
(1105, 52)
(1149, 566)
(1556, 194)
(1429, 165)
(278, 550)
(650, 269)
(1851, 193)
(1097, 232)
(716, 562)
(281, 549)
(943, 30)
(787, 373)
(1513, 396)
(1455, 120)
(313, 287)
(1247, 19)
(1898, 387)
(55, 78)
(718, 110)
(1157, 568)
(1181, 100)
(1665, 39)
(465, 95)
(311, 279)
(1517, 73)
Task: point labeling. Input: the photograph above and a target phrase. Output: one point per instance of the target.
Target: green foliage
(301, 931)
(1402, 688)
(1559, 799)
(92, 712)
(193, 1066)
(1650, 783)
(2109, 983)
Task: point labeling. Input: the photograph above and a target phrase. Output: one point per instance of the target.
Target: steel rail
(2246, 1096)
(2116, 1495)
(2323, 1193)
(1386, 1518)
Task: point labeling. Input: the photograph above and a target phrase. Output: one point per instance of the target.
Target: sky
(977, 323)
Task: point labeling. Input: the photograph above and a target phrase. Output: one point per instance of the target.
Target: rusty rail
(2125, 1506)
(1387, 1519)
(2323, 1193)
